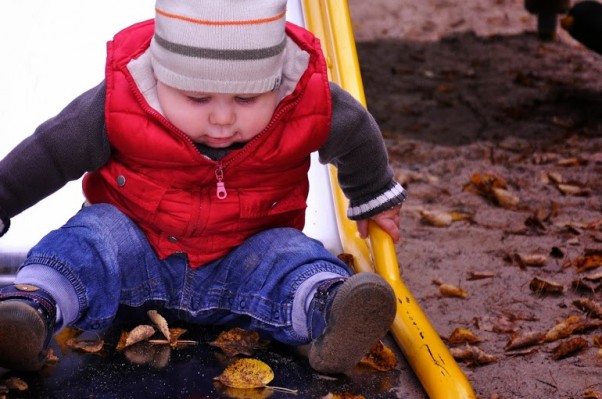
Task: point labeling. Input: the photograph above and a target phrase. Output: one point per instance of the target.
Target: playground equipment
(424, 350)
(430, 359)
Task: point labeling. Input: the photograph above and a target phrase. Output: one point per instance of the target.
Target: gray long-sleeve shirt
(75, 142)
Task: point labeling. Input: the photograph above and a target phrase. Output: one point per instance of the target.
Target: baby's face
(215, 119)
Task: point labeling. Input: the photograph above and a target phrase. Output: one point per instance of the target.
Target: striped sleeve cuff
(4, 222)
(394, 195)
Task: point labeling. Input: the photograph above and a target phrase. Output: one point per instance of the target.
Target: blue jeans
(109, 262)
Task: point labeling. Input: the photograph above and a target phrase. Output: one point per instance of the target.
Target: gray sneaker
(347, 317)
(27, 321)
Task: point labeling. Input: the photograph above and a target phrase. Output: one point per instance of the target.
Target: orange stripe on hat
(223, 23)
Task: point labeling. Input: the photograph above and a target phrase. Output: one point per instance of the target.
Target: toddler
(195, 150)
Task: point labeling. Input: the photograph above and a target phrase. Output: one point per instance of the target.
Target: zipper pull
(221, 187)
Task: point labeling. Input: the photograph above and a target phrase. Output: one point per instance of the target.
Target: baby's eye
(246, 100)
(199, 100)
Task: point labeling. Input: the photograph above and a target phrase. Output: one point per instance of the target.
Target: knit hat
(219, 46)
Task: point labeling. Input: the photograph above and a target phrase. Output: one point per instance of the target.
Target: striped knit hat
(219, 46)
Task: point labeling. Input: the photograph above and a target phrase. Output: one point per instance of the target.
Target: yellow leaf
(380, 358)
(437, 218)
(246, 373)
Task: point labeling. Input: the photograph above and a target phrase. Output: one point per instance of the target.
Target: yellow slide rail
(437, 370)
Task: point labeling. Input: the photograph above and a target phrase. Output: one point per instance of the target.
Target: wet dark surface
(157, 371)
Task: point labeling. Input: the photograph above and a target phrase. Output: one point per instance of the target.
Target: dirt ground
(464, 90)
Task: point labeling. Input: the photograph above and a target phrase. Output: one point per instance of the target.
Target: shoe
(346, 318)
(27, 322)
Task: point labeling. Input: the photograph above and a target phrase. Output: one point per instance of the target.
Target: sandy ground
(465, 89)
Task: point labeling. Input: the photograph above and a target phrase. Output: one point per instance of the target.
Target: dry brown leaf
(449, 290)
(238, 341)
(462, 336)
(160, 322)
(592, 395)
(532, 260)
(582, 285)
(348, 259)
(505, 198)
(593, 276)
(139, 333)
(16, 384)
(569, 347)
(472, 355)
(65, 335)
(597, 340)
(86, 345)
(246, 373)
(572, 324)
(555, 177)
(437, 218)
(479, 275)
(586, 262)
(541, 286)
(520, 341)
(485, 182)
(525, 352)
(573, 161)
(591, 308)
(379, 358)
(573, 189)
(51, 357)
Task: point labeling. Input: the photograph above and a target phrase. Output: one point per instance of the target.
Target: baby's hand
(387, 220)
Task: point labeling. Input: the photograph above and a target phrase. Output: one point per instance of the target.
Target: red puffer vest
(158, 178)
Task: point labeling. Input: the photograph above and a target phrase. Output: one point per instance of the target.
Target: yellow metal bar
(426, 353)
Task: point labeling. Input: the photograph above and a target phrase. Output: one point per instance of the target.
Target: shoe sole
(362, 312)
(22, 335)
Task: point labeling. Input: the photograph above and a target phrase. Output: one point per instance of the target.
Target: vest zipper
(221, 187)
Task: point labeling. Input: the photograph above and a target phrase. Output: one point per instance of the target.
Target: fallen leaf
(51, 357)
(437, 218)
(569, 347)
(86, 345)
(505, 198)
(16, 384)
(139, 333)
(479, 276)
(246, 373)
(581, 284)
(379, 358)
(238, 341)
(449, 290)
(65, 335)
(586, 262)
(519, 341)
(591, 308)
(592, 395)
(572, 189)
(572, 325)
(532, 260)
(541, 286)
(593, 277)
(348, 259)
(472, 355)
(462, 336)
(160, 322)
(572, 162)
